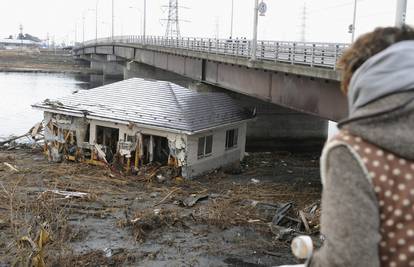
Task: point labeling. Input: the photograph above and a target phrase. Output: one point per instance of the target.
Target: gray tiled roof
(154, 103)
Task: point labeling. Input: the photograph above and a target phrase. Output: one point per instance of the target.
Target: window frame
(234, 142)
(204, 153)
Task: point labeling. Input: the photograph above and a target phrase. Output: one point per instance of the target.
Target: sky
(326, 20)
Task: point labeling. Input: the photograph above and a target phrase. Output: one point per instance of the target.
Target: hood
(381, 100)
(388, 72)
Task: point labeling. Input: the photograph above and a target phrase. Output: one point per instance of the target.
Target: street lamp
(96, 21)
(401, 13)
(231, 17)
(145, 19)
(258, 8)
(352, 26)
(113, 15)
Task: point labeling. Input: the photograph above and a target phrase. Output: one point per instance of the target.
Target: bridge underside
(313, 95)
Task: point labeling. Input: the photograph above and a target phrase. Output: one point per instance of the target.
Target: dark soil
(132, 221)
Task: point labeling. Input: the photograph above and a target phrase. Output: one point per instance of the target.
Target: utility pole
(113, 15)
(255, 22)
(401, 13)
(303, 25)
(231, 25)
(145, 19)
(217, 28)
(21, 37)
(96, 21)
(353, 22)
(76, 32)
(83, 27)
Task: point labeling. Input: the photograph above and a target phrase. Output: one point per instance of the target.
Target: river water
(20, 90)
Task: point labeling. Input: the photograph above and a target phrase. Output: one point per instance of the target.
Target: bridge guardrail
(299, 53)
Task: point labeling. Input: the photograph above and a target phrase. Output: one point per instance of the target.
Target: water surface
(20, 90)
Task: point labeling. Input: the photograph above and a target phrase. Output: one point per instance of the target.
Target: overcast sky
(326, 20)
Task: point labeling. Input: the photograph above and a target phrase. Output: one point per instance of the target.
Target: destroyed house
(137, 122)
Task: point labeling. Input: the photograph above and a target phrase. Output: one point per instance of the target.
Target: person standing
(367, 169)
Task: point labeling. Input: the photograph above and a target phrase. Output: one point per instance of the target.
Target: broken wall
(176, 141)
(76, 124)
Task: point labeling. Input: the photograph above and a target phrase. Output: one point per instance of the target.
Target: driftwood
(11, 167)
(2, 143)
(31, 135)
(304, 221)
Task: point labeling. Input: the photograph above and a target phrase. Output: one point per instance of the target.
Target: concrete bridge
(299, 76)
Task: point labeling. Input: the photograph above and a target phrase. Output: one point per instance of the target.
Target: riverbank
(91, 216)
(42, 61)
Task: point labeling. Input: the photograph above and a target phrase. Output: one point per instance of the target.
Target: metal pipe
(255, 22)
(401, 13)
(353, 21)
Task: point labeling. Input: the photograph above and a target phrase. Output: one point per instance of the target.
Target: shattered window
(231, 138)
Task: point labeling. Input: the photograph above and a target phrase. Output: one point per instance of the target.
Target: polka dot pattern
(392, 178)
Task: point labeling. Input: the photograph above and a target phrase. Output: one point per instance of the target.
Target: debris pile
(218, 216)
(34, 137)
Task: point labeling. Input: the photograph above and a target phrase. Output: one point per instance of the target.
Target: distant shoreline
(42, 62)
(41, 70)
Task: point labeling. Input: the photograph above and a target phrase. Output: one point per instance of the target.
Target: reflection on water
(20, 90)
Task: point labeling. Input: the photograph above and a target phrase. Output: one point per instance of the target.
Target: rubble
(193, 199)
(97, 216)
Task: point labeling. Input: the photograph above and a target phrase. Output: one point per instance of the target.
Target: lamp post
(401, 13)
(113, 15)
(255, 22)
(258, 8)
(96, 21)
(76, 32)
(145, 19)
(353, 22)
(231, 17)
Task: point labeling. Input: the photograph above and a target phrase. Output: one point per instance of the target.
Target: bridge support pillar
(113, 70)
(278, 128)
(97, 62)
(139, 70)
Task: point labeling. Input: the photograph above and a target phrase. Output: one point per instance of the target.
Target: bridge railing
(299, 53)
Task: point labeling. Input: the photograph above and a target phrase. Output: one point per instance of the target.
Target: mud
(130, 221)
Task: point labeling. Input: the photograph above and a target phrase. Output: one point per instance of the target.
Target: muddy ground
(136, 221)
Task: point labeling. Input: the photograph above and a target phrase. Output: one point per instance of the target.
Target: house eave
(220, 126)
(80, 114)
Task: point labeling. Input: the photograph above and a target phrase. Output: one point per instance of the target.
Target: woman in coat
(367, 169)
